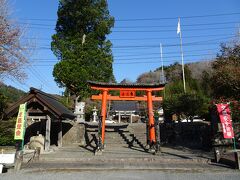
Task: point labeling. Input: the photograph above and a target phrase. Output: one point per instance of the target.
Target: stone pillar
(119, 117)
(18, 161)
(47, 134)
(1, 168)
(60, 134)
(131, 118)
(237, 159)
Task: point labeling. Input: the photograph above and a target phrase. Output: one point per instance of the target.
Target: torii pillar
(151, 129)
(104, 112)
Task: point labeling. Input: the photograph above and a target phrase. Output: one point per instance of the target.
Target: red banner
(225, 118)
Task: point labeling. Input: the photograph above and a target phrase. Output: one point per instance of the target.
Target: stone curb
(122, 160)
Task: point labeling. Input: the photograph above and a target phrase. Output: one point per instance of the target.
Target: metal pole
(238, 31)
(163, 78)
(234, 140)
(184, 84)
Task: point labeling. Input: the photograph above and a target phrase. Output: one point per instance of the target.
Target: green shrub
(7, 132)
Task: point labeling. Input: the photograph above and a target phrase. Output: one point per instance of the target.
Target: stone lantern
(94, 110)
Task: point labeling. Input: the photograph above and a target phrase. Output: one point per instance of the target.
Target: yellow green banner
(20, 122)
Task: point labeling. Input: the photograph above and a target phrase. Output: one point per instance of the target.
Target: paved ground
(129, 163)
(118, 175)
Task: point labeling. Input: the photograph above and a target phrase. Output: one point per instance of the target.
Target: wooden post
(104, 111)
(47, 134)
(152, 136)
(60, 134)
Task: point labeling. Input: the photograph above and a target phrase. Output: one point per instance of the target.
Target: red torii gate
(127, 93)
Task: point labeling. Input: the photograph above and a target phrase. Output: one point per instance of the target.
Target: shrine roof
(118, 85)
(51, 102)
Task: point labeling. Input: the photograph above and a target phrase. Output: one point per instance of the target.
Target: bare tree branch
(13, 51)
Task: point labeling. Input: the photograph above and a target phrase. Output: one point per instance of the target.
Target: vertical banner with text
(225, 118)
(20, 122)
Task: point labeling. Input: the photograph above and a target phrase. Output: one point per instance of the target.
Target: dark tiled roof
(124, 106)
(47, 100)
(103, 84)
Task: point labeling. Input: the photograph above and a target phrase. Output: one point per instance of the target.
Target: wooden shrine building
(44, 116)
(123, 109)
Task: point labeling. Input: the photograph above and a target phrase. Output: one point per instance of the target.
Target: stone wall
(73, 134)
(194, 135)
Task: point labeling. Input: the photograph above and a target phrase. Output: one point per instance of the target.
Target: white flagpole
(162, 75)
(161, 61)
(180, 35)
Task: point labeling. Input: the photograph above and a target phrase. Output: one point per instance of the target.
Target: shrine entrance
(127, 92)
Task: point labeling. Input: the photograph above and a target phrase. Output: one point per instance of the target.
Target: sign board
(20, 123)
(127, 93)
(225, 118)
(7, 158)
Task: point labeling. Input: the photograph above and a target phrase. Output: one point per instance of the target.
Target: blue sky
(140, 27)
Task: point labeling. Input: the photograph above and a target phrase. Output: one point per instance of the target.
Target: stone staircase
(124, 149)
(118, 138)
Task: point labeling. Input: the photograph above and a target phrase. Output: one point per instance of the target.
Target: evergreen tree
(81, 46)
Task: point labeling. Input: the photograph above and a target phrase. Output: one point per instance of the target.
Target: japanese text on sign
(225, 118)
(127, 93)
(20, 123)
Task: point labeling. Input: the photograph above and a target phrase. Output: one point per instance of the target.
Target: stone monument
(80, 111)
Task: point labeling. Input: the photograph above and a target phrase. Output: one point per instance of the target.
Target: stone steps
(124, 149)
(119, 158)
(118, 137)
